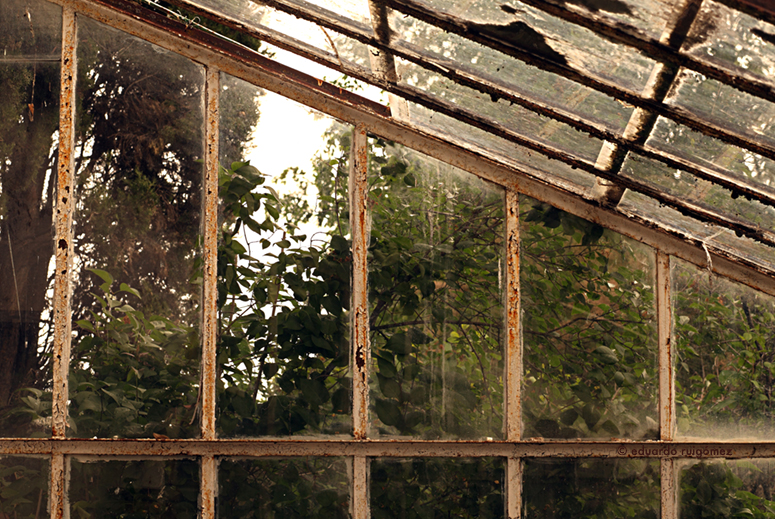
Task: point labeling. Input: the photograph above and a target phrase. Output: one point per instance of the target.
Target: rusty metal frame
(371, 448)
(219, 56)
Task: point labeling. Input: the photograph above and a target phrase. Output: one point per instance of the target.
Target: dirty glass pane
(709, 152)
(530, 81)
(724, 106)
(599, 488)
(694, 189)
(166, 489)
(283, 488)
(435, 298)
(24, 487)
(502, 150)
(727, 488)
(283, 269)
(649, 210)
(266, 17)
(546, 36)
(138, 159)
(423, 488)
(733, 40)
(725, 369)
(29, 121)
(589, 328)
(502, 113)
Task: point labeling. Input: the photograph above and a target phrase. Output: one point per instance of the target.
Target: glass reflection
(435, 298)
(727, 488)
(423, 488)
(589, 328)
(603, 489)
(283, 488)
(135, 356)
(24, 487)
(283, 269)
(725, 369)
(29, 120)
(141, 488)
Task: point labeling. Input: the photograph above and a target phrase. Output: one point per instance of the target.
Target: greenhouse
(387, 259)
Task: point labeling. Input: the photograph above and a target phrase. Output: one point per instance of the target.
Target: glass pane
(135, 356)
(649, 210)
(266, 17)
(516, 75)
(709, 152)
(500, 149)
(284, 488)
(733, 40)
(29, 121)
(725, 369)
(435, 298)
(423, 488)
(284, 268)
(699, 191)
(724, 106)
(511, 117)
(24, 487)
(609, 488)
(726, 488)
(544, 35)
(589, 328)
(149, 489)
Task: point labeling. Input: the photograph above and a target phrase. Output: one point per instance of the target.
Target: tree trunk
(28, 178)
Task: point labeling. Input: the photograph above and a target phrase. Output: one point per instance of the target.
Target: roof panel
(513, 74)
(502, 150)
(512, 117)
(734, 41)
(462, 65)
(725, 107)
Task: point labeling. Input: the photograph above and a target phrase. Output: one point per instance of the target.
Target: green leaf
(388, 412)
(106, 277)
(126, 288)
(339, 244)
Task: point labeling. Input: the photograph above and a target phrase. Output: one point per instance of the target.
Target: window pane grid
(211, 450)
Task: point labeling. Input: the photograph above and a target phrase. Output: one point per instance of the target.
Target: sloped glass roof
(663, 110)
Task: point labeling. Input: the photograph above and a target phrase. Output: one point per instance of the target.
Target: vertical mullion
(58, 486)
(64, 222)
(209, 469)
(360, 355)
(208, 472)
(513, 375)
(64, 254)
(210, 231)
(669, 504)
(664, 332)
(360, 488)
(514, 488)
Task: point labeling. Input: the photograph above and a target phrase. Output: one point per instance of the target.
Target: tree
(138, 174)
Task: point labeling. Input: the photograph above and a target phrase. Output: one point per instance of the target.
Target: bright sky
(290, 133)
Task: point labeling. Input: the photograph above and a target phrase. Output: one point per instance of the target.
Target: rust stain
(210, 251)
